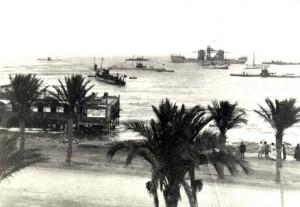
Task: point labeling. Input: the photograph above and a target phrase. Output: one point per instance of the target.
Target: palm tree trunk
(279, 137)
(221, 171)
(171, 195)
(22, 134)
(70, 143)
(220, 167)
(278, 156)
(156, 201)
(193, 187)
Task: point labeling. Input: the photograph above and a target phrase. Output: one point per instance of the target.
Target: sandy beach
(89, 161)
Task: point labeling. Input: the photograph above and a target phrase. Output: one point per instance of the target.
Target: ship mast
(101, 62)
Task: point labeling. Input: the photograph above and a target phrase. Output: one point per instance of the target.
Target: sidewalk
(41, 187)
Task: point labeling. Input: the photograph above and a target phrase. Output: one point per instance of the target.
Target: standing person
(242, 150)
(260, 150)
(283, 151)
(272, 152)
(267, 150)
(297, 153)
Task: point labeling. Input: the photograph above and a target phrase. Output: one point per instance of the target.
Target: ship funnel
(201, 54)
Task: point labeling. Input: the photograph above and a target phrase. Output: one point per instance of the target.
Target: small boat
(103, 75)
(45, 59)
(132, 77)
(137, 59)
(253, 66)
(139, 66)
(49, 59)
(266, 74)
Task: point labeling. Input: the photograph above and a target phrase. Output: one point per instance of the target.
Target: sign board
(96, 113)
(47, 109)
(60, 109)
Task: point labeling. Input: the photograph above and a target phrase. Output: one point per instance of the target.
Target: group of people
(269, 151)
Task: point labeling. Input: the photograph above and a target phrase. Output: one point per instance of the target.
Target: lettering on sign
(96, 113)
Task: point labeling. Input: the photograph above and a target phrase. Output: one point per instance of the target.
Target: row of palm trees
(26, 89)
(175, 143)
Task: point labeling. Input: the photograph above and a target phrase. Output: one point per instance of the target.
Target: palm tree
(226, 116)
(74, 94)
(171, 144)
(281, 115)
(25, 89)
(13, 160)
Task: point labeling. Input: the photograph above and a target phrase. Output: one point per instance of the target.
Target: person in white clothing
(272, 152)
(260, 150)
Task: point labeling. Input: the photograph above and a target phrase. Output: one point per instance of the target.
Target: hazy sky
(39, 28)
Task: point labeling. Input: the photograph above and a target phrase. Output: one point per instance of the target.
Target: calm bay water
(189, 84)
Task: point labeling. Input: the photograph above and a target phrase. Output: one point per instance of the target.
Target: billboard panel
(96, 113)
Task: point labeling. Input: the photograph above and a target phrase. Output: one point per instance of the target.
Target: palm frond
(281, 115)
(139, 127)
(189, 193)
(25, 90)
(73, 92)
(208, 148)
(226, 157)
(12, 160)
(149, 157)
(134, 148)
(115, 147)
(266, 115)
(165, 112)
(152, 189)
(233, 163)
(226, 115)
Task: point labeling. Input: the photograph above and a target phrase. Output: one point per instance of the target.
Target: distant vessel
(132, 77)
(139, 66)
(45, 59)
(266, 74)
(253, 66)
(48, 59)
(103, 75)
(137, 59)
(208, 57)
(277, 62)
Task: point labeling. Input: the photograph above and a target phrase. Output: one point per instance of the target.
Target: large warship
(208, 57)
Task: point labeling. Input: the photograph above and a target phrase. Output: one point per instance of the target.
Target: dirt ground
(91, 156)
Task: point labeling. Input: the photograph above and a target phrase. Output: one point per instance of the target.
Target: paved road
(43, 187)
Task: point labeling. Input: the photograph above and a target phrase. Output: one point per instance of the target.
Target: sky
(41, 28)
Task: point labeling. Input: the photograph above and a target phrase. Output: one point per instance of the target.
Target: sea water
(190, 84)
